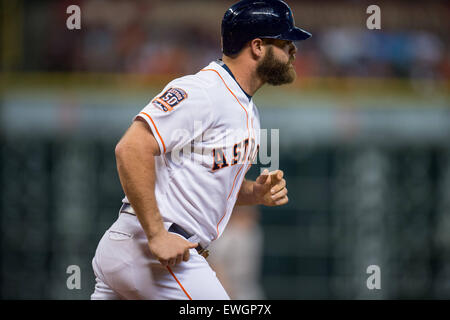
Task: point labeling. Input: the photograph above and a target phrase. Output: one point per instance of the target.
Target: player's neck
(245, 76)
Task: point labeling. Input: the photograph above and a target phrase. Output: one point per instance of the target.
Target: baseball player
(182, 163)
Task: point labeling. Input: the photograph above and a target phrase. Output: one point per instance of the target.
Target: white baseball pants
(125, 269)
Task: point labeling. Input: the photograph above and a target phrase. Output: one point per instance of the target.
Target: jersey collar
(223, 65)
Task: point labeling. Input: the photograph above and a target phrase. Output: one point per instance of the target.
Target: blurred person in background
(237, 258)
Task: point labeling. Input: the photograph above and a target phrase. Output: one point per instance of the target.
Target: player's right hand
(169, 248)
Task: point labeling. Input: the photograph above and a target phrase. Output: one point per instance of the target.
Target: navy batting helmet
(250, 19)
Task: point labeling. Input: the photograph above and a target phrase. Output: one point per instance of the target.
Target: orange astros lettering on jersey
(253, 158)
(170, 98)
(220, 161)
(237, 153)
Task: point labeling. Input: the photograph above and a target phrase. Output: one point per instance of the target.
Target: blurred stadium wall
(364, 141)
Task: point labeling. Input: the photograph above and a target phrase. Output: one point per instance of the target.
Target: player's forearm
(136, 168)
(246, 196)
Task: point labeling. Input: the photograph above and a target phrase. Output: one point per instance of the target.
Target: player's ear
(257, 48)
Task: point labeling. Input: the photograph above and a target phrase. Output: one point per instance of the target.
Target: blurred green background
(364, 140)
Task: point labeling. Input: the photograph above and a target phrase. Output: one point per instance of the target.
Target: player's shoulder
(200, 80)
(181, 93)
(194, 84)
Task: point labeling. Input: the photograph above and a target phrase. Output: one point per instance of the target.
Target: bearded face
(275, 72)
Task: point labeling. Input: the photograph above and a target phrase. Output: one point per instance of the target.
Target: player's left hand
(270, 189)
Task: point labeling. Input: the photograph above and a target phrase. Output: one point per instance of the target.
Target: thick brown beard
(274, 72)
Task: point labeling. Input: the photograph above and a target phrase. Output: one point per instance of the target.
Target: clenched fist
(170, 249)
(270, 188)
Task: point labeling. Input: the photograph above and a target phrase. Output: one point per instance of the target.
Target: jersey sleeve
(178, 115)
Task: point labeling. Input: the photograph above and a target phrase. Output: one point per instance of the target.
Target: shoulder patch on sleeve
(170, 99)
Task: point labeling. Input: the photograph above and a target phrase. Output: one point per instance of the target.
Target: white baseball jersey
(207, 129)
